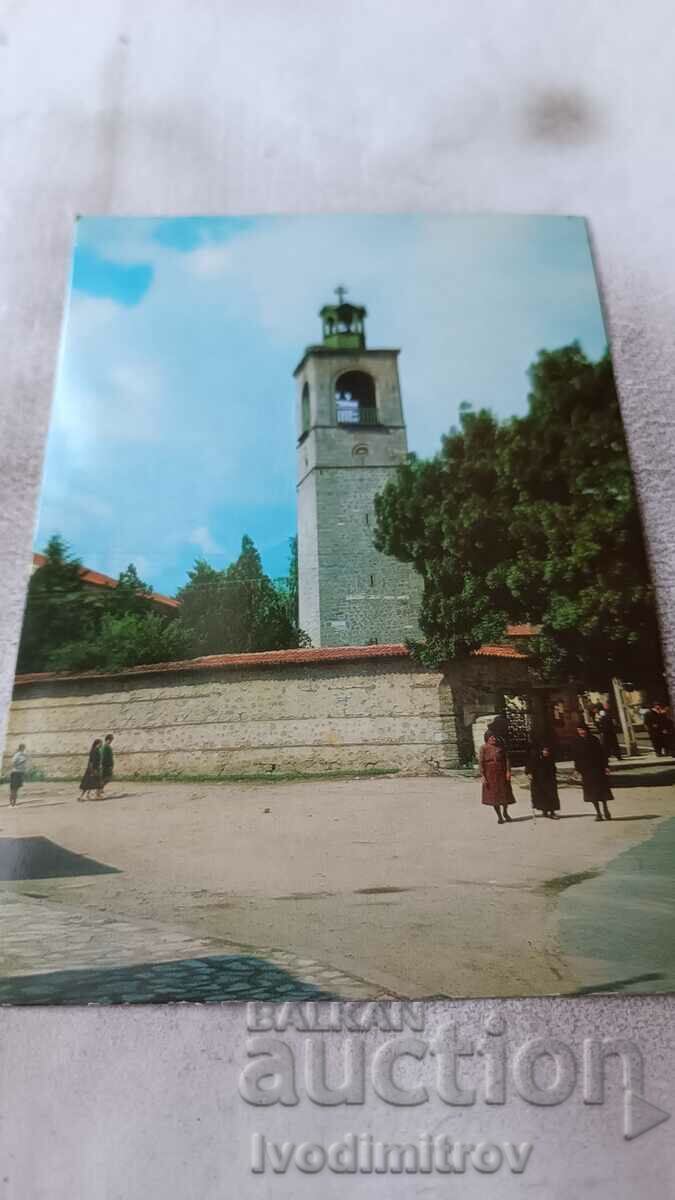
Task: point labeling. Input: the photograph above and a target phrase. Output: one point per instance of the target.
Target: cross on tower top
(343, 323)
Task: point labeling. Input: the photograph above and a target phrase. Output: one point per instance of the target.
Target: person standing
(17, 774)
(667, 730)
(107, 761)
(591, 763)
(654, 725)
(495, 773)
(543, 779)
(91, 780)
(607, 730)
(500, 727)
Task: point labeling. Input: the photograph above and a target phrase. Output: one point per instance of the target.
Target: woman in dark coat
(107, 762)
(543, 781)
(590, 761)
(495, 773)
(91, 780)
(607, 731)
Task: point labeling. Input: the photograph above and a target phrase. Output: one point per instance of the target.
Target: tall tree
(202, 607)
(533, 519)
(56, 609)
(294, 581)
(68, 625)
(236, 610)
(132, 594)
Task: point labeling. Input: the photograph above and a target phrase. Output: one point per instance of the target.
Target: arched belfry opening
(305, 414)
(355, 402)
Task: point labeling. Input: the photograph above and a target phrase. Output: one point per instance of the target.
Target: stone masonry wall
(365, 595)
(310, 718)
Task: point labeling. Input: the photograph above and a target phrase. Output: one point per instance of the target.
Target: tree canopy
(532, 519)
(239, 609)
(56, 606)
(69, 626)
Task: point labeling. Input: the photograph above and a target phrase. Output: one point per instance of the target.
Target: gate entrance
(518, 713)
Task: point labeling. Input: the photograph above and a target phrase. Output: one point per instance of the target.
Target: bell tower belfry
(351, 438)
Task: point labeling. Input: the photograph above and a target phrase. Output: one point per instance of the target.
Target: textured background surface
(211, 107)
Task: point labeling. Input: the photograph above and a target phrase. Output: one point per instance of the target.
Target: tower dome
(343, 323)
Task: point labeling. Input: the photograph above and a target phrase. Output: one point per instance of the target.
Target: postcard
(340, 675)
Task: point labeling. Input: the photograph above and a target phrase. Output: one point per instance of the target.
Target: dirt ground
(398, 886)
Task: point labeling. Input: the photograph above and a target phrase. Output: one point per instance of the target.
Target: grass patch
(250, 777)
(553, 887)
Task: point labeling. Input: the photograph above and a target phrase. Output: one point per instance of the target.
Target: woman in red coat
(495, 773)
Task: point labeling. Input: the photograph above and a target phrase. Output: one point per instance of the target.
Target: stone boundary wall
(382, 713)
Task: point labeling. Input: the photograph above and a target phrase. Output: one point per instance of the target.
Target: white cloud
(202, 538)
(209, 262)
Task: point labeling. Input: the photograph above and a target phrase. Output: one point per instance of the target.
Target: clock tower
(351, 438)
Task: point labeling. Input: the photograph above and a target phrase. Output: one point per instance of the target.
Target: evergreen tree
(236, 610)
(532, 519)
(294, 581)
(69, 626)
(131, 594)
(56, 607)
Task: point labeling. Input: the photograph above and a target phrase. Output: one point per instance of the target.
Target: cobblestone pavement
(113, 961)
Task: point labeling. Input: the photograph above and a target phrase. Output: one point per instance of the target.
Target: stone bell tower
(351, 437)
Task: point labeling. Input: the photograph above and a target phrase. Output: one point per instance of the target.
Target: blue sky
(173, 423)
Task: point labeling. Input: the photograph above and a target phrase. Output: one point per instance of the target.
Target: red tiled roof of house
(96, 579)
(267, 658)
(525, 630)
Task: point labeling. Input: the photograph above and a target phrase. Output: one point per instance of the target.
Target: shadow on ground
(619, 985)
(623, 916)
(645, 777)
(40, 858)
(213, 979)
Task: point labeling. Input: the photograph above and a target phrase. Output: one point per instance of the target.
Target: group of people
(99, 768)
(98, 772)
(656, 719)
(591, 762)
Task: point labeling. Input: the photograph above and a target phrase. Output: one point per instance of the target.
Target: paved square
(369, 887)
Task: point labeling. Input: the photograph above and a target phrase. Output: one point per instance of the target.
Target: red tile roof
(499, 652)
(522, 630)
(269, 658)
(96, 579)
(265, 658)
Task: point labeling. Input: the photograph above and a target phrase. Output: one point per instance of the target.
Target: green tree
(201, 613)
(56, 606)
(236, 610)
(294, 581)
(68, 625)
(131, 595)
(532, 519)
(125, 640)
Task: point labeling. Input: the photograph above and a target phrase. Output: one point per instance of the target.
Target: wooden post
(626, 726)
